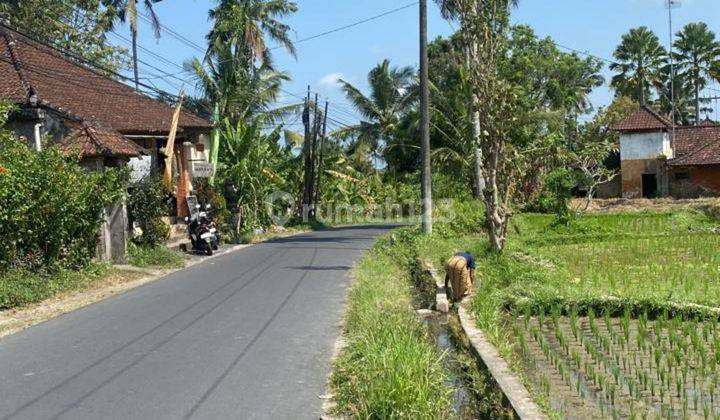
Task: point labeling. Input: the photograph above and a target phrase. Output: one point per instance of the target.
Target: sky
(590, 26)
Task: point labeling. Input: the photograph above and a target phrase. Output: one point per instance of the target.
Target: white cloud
(331, 80)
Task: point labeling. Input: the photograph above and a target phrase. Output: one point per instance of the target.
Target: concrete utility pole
(320, 160)
(425, 122)
(307, 155)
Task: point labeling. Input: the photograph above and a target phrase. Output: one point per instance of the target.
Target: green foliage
(253, 160)
(697, 52)
(208, 194)
(155, 256)
(19, 287)
(640, 59)
(51, 208)
(559, 183)
(77, 26)
(147, 205)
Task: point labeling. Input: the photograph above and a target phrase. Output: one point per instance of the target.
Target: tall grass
(390, 369)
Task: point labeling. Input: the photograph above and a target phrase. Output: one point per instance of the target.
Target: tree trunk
(495, 215)
(478, 179)
(697, 102)
(135, 60)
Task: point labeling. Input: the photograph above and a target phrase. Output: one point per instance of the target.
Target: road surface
(246, 335)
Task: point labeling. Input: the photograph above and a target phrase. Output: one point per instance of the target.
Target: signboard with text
(202, 170)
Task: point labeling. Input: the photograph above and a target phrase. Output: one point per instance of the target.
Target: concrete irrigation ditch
(514, 392)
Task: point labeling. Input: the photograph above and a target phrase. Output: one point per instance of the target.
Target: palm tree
(698, 57)
(640, 58)
(224, 83)
(244, 25)
(682, 99)
(127, 10)
(392, 93)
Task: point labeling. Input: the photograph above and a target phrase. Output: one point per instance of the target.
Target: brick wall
(701, 181)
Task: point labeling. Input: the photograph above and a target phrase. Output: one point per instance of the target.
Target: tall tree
(640, 59)
(698, 56)
(463, 11)
(79, 26)
(392, 93)
(485, 24)
(127, 11)
(247, 25)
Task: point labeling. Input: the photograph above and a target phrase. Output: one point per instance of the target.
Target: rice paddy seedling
(618, 340)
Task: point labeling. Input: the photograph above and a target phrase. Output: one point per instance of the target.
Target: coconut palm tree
(247, 25)
(238, 95)
(640, 58)
(392, 92)
(698, 57)
(127, 11)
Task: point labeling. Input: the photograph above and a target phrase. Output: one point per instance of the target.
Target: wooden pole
(425, 123)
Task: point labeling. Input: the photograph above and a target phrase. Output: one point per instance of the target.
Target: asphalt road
(246, 335)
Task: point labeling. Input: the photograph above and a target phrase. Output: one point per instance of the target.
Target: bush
(159, 256)
(208, 194)
(555, 196)
(147, 205)
(51, 208)
(20, 287)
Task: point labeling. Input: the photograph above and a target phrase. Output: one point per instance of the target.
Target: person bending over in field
(460, 274)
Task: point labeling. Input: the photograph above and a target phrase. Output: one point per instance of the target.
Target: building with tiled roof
(57, 95)
(657, 160)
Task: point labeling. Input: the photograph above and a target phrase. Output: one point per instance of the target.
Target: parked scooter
(203, 232)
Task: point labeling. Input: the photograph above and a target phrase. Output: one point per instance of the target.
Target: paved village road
(246, 335)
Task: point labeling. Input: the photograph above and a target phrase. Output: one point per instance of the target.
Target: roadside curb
(510, 385)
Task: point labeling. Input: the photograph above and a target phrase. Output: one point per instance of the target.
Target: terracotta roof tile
(78, 90)
(697, 146)
(643, 119)
(93, 140)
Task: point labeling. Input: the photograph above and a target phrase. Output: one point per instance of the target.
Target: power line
(352, 25)
(91, 65)
(174, 34)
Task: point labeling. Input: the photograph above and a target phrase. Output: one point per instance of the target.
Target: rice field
(597, 328)
(599, 366)
(614, 316)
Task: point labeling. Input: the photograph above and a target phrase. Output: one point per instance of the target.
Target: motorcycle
(203, 232)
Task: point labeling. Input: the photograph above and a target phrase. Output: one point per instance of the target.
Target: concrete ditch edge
(441, 301)
(513, 388)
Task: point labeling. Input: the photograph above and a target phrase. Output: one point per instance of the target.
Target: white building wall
(637, 146)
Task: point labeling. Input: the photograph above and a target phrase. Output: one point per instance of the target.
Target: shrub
(159, 256)
(51, 208)
(208, 194)
(147, 205)
(20, 287)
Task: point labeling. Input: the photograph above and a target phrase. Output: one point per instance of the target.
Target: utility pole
(672, 4)
(320, 161)
(313, 151)
(425, 123)
(307, 156)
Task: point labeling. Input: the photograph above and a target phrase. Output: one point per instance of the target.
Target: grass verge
(156, 257)
(19, 288)
(389, 369)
